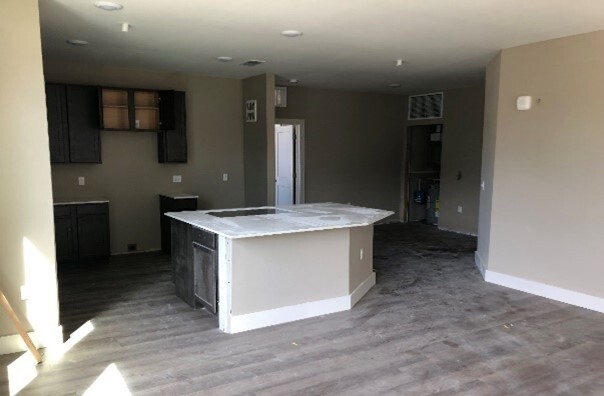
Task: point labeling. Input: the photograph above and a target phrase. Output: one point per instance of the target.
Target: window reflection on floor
(110, 382)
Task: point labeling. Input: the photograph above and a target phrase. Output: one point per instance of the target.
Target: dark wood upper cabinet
(83, 121)
(172, 144)
(57, 123)
(167, 110)
(73, 124)
(141, 110)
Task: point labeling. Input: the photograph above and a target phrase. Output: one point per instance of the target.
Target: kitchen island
(257, 267)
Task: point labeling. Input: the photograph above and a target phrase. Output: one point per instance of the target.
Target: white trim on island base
(541, 289)
(271, 317)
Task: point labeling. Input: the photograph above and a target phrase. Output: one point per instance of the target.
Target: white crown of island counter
(294, 262)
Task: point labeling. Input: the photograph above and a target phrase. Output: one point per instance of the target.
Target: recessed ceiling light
(224, 58)
(108, 5)
(293, 81)
(77, 42)
(395, 85)
(292, 33)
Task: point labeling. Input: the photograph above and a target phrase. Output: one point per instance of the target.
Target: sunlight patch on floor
(21, 372)
(55, 354)
(110, 382)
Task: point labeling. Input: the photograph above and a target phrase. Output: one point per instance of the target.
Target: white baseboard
(362, 289)
(14, 343)
(547, 291)
(479, 263)
(271, 317)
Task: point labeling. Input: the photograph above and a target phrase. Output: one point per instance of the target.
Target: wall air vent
(253, 62)
(426, 106)
(280, 96)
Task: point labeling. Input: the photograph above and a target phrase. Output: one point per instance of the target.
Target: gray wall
(130, 176)
(461, 152)
(493, 72)
(259, 141)
(353, 145)
(27, 250)
(546, 217)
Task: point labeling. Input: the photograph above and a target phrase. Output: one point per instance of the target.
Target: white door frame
(299, 163)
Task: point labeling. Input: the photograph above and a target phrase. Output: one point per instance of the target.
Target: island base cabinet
(195, 266)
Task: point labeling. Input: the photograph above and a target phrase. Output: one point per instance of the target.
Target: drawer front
(204, 238)
(100, 208)
(62, 210)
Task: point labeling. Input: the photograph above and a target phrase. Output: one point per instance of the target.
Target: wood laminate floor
(431, 326)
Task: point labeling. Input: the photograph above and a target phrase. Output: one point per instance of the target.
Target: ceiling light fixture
(108, 5)
(395, 85)
(224, 58)
(78, 43)
(293, 81)
(292, 33)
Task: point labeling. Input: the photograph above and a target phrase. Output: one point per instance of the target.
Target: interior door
(284, 169)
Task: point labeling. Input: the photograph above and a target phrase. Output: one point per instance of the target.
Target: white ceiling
(347, 44)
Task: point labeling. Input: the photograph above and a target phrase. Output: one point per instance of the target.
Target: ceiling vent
(426, 106)
(253, 62)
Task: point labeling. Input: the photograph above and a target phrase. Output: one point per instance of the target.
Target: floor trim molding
(14, 343)
(479, 263)
(271, 317)
(541, 289)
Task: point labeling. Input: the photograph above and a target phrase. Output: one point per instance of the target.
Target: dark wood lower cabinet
(195, 266)
(172, 204)
(81, 233)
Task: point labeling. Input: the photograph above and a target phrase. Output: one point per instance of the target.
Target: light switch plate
(81, 181)
(459, 209)
(177, 179)
(225, 177)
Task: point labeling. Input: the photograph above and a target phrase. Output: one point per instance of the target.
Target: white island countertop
(289, 219)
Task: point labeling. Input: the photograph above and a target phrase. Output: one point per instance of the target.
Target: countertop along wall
(130, 176)
(353, 145)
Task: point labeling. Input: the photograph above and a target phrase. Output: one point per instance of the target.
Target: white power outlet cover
(81, 181)
(459, 209)
(225, 177)
(524, 103)
(177, 179)
(361, 255)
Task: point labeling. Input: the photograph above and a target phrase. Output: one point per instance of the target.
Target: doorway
(289, 162)
(424, 150)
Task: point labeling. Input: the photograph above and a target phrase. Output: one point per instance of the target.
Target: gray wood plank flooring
(430, 326)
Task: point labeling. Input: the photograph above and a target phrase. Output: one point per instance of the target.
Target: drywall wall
(492, 76)
(461, 156)
(259, 141)
(546, 218)
(353, 145)
(27, 250)
(130, 176)
(297, 274)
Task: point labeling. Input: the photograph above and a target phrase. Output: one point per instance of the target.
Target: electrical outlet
(459, 209)
(132, 247)
(177, 179)
(361, 255)
(225, 177)
(81, 181)
(482, 185)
